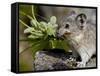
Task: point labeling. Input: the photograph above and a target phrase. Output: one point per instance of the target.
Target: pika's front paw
(81, 64)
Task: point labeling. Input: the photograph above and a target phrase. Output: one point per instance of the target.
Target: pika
(81, 34)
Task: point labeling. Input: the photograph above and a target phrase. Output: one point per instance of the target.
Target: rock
(46, 60)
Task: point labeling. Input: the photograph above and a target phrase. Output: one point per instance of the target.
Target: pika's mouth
(67, 33)
(62, 37)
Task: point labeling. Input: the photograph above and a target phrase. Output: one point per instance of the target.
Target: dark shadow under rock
(50, 60)
(58, 53)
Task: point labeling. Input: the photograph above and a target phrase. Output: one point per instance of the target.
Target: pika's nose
(59, 35)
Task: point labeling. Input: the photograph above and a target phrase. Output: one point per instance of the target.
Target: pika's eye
(67, 26)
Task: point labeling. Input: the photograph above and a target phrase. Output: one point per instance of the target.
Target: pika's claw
(81, 64)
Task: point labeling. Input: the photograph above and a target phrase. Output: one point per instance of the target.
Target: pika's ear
(81, 20)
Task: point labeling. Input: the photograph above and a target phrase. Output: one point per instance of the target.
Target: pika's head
(72, 25)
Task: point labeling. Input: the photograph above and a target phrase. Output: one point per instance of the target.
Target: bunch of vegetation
(42, 34)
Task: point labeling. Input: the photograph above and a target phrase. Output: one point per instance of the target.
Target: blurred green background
(25, 57)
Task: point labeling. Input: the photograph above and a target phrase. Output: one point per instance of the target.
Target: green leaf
(37, 33)
(34, 23)
(33, 37)
(55, 26)
(50, 30)
(43, 25)
(29, 30)
(53, 20)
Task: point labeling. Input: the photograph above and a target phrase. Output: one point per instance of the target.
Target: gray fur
(81, 39)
